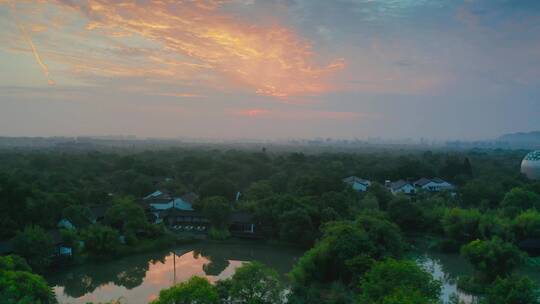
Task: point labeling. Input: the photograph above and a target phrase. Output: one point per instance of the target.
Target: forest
(357, 244)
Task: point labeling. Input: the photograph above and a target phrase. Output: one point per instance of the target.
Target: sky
(270, 69)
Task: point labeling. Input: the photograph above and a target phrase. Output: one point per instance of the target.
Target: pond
(448, 267)
(138, 279)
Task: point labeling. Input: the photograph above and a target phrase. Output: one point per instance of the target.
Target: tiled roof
(399, 184)
(354, 179)
(423, 181)
(182, 205)
(158, 195)
(438, 180)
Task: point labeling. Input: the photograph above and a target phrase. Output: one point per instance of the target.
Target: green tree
(296, 227)
(346, 249)
(317, 183)
(218, 187)
(491, 225)
(492, 258)
(327, 260)
(477, 191)
(254, 283)
(101, 241)
(527, 225)
(461, 225)
(406, 214)
(344, 202)
(70, 239)
(384, 235)
(78, 215)
(519, 199)
(393, 281)
(369, 202)
(19, 286)
(218, 210)
(126, 216)
(407, 296)
(467, 168)
(196, 290)
(259, 190)
(382, 194)
(35, 245)
(512, 290)
(14, 263)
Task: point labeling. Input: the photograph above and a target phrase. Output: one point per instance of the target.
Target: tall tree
(126, 216)
(196, 290)
(512, 290)
(101, 241)
(19, 285)
(35, 245)
(254, 283)
(492, 258)
(217, 209)
(394, 281)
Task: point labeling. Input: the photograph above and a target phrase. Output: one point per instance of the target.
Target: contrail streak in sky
(28, 39)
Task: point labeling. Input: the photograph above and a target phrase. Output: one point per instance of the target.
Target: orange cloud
(195, 36)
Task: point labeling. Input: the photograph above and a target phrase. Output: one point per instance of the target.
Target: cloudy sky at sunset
(443, 69)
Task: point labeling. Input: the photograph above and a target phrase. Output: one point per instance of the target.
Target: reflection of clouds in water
(160, 275)
(140, 278)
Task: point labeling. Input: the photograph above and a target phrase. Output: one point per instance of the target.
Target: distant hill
(532, 138)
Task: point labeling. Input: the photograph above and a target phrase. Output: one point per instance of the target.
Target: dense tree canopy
(127, 216)
(218, 210)
(195, 290)
(19, 286)
(492, 258)
(254, 283)
(294, 197)
(101, 241)
(513, 290)
(35, 245)
(347, 247)
(394, 281)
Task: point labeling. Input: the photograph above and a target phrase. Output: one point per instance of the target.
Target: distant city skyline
(270, 69)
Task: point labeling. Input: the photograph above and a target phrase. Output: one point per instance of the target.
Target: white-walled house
(400, 186)
(357, 183)
(433, 184)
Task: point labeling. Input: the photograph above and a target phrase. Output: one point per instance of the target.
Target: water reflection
(138, 279)
(447, 268)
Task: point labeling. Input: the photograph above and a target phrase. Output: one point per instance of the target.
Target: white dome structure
(530, 166)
